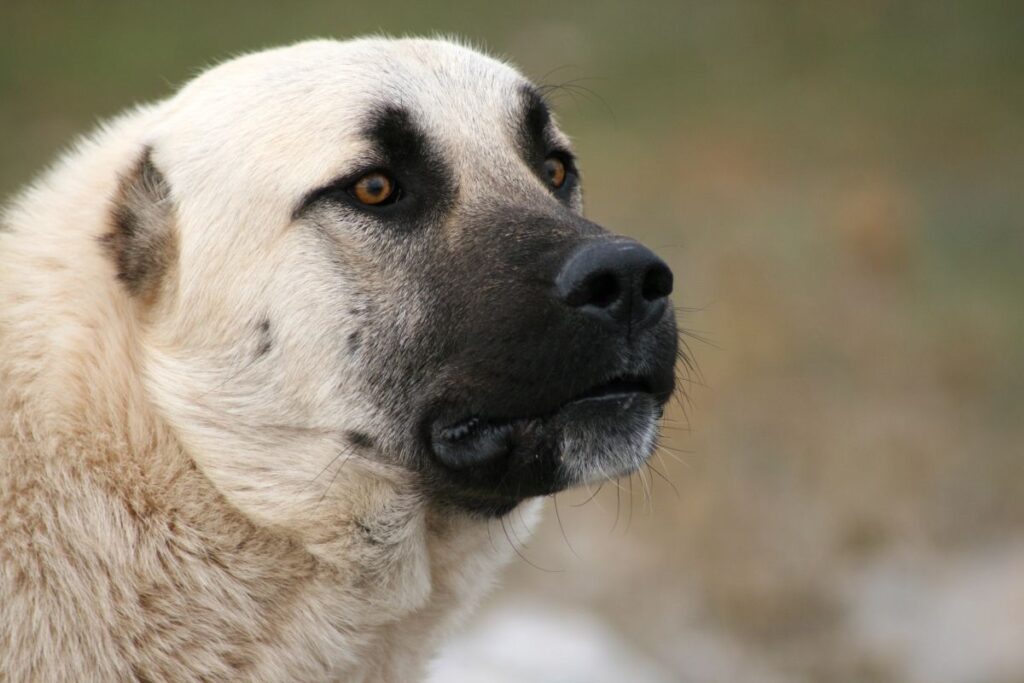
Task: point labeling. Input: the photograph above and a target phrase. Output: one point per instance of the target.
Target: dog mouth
(474, 440)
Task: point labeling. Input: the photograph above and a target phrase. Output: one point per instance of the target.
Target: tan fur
(162, 510)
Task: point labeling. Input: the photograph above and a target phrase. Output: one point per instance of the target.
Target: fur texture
(213, 370)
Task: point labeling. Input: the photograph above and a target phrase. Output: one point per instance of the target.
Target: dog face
(369, 259)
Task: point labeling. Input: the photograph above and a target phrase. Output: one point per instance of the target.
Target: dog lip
(474, 439)
(615, 388)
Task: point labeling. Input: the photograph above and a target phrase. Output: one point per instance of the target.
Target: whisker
(334, 477)
(233, 376)
(572, 88)
(521, 556)
(590, 497)
(618, 507)
(679, 460)
(673, 449)
(683, 429)
(550, 73)
(648, 503)
(561, 528)
(667, 480)
(629, 511)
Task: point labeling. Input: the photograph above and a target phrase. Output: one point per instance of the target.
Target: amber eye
(374, 189)
(554, 169)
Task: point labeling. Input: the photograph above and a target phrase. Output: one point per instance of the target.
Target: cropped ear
(142, 241)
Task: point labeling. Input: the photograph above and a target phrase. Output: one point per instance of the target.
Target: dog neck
(122, 513)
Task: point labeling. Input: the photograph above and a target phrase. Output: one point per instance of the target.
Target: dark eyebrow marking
(398, 140)
(535, 125)
(537, 116)
(537, 140)
(400, 147)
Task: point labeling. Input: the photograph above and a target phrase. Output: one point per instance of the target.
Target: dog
(276, 350)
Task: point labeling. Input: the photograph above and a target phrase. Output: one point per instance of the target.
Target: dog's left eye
(375, 189)
(555, 171)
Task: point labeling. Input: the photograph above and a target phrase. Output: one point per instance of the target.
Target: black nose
(618, 281)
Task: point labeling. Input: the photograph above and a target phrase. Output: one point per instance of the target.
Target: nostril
(603, 289)
(617, 281)
(657, 282)
(599, 289)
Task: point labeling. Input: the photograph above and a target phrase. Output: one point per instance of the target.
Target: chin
(488, 464)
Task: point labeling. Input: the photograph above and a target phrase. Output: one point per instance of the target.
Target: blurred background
(839, 187)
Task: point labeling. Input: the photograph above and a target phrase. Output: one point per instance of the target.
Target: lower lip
(626, 397)
(487, 440)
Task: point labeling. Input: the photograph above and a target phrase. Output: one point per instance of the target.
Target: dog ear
(142, 239)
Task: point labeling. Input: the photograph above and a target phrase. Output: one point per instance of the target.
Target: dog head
(370, 257)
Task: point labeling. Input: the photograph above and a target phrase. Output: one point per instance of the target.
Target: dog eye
(375, 189)
(554, 169)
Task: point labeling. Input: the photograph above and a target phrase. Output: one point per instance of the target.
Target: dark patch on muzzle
(550, 327)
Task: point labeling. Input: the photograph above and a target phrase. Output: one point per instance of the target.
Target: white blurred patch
(542, 644)
(942, 621)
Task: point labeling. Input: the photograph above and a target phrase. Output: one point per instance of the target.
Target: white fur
(169, 510)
